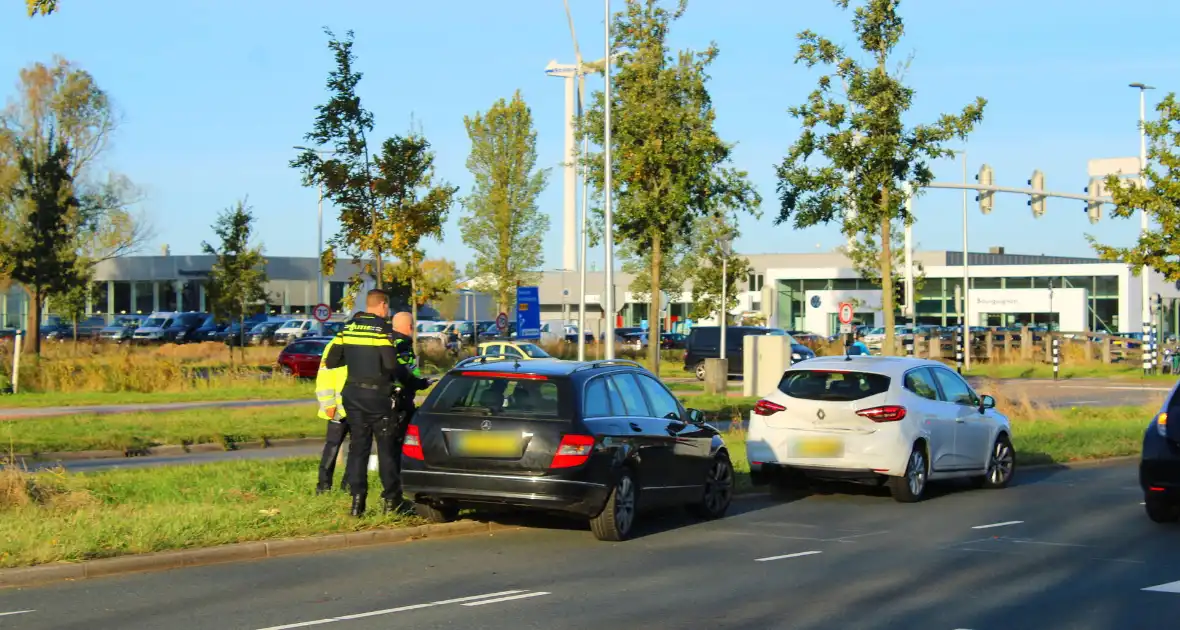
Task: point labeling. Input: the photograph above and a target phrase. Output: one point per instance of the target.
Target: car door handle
(636, 427)
(960, 420)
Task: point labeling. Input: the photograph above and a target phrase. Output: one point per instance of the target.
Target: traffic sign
(502, 322)
(845, 313)
(321, 312)
(528, 313)
(845, 329)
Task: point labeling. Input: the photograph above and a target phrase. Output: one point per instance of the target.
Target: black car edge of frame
(586, 440)
(1159, 465)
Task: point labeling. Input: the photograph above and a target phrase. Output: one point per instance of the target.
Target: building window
(1017, 283)
(98, 298)
(1106, 286)
(754, 282)
(817, 285)
(844, 284)
(123, 298)
(1079, 282)
(986, 283)
(1106, 315)
(144, 299)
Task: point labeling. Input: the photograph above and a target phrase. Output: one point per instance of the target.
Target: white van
(152, 329)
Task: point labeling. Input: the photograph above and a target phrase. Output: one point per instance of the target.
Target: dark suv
(704, 342)
(599, 440)
(1159, 466)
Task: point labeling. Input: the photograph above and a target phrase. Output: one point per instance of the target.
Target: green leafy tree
(41, 7)
(71, 305)
(859, 131)
(1159, 247)
(61, 106)
(414, 208)
(502, 223)
(668, 162)
(707, 266)
(237, 280)
(865, 256)
(347, 175)
(37, 250)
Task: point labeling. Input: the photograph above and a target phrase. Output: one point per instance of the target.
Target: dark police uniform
(366, 347)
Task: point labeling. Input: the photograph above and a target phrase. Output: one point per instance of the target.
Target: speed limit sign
(845, 313)
(502, 321)
(321, 312)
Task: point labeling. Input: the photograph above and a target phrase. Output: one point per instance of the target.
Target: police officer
(410, 383)
(329, 384)
(366, 347)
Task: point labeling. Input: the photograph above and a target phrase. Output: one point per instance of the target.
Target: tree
(61, 107)
(71, 305)
(865, 256)
(37, 250)
(237, 280)
(706, 268)
(414, 208)
(1159, 247)
(669, 162)
(41, 7)
(870, 152)
(502, 223)
(347, 176)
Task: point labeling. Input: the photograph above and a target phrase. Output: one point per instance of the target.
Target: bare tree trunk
(414, 310)
(33, 322)
(653, 315)
(887, 273)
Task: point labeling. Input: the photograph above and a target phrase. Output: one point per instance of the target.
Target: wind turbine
(575, 86)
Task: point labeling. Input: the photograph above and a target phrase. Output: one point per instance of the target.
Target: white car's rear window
(832, 384)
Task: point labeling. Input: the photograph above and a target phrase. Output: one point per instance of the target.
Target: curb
(239, 552)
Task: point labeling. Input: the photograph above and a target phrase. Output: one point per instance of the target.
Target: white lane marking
(506, 599)
(1004, 524)
(389, 611)
(789, 555)
(16, 612)
(1170, 587)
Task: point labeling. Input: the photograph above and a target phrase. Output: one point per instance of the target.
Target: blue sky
(214, 93)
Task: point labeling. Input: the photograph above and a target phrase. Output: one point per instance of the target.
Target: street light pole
(722, 311)
(609, 231)
(965, 334)
(319, 286)
(1143, 182)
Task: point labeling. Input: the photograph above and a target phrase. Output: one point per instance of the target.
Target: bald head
(403, 323)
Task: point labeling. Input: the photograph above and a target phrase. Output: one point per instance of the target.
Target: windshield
(263, 327)
(497, 396)
(831, 385)
(432, 328)
(532, 351)
(155, 322)
(294, 323)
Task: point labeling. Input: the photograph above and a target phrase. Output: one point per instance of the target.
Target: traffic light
(1037, 183)
(1094, 206)
(1157, 302)
(985, 197)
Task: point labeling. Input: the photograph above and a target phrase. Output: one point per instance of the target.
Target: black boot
(358, 505)
(321, 488)
(398, 506)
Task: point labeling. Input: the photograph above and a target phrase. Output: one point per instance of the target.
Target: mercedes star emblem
(820, 414)
(486, 425)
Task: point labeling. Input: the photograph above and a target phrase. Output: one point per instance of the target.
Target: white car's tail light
(887, 413)
(767, 408)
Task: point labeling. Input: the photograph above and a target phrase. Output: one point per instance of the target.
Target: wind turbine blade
(569, 16)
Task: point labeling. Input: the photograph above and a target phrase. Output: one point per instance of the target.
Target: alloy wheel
(916, 475)
(1000, 468)
(624, 504)
(719, 486)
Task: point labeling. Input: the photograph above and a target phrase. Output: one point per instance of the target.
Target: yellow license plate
(818, 447)
(484, 444)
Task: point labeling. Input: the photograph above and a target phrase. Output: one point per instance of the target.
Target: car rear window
(832, 385)
(499, 396)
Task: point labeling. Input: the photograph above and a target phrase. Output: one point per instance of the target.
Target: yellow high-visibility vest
(328, 385)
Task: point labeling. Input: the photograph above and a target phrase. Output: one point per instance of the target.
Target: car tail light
(888, 413)
(574, 450)
(1161, 423)
(412, 446)
(767, 408)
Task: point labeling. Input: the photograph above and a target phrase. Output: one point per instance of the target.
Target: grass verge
(278, 389)
(1067, 371)
(55, 516)
(137, 431)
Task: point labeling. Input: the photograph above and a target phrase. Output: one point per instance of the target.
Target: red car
(301, 358)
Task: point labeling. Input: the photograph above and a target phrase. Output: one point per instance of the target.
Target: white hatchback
(893, 420)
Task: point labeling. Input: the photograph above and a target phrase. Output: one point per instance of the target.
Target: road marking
(506, 599)
(389, 611)
(789, 555)
(16, 612)
(1170, 587)
(1004, 524)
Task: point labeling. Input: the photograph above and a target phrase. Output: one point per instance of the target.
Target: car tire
(911, 487)
(718, 492)
(437, 513)
(1001, 466)
(617, 518)
(1161, 510)
(287, 371)
(700, 371)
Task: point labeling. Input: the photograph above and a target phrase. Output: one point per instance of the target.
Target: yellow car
(512, 349)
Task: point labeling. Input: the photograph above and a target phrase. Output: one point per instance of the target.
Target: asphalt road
(1067, 549)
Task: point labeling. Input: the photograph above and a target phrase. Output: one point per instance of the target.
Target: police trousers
(371, 418)
(337, 432)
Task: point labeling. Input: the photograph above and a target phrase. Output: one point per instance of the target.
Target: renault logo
(486, 425)
(820, 414)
